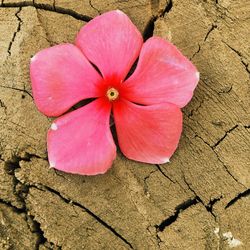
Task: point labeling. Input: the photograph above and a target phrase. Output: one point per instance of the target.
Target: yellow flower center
(112, 94)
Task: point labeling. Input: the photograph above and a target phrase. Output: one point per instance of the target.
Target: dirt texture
(200, 200)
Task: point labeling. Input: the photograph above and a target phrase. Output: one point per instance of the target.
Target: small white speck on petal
(52, 164)
(33, 58)
(197, 75)
(119, 12)
(54, 126)
(165, 160)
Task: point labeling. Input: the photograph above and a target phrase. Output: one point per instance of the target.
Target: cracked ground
(200, 200)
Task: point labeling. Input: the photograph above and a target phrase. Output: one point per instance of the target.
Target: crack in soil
(94, 8)
(196, 52)
(69, 201)
(145, 180)
(54, 4)
(2, 105)
(245, 64)
(214, 26)
(14, 164)
(224, 165)
(52, 8)
(14, 208)
(21, 194)
(168, 8)
(17, 89)
(159, 168)
(209, 32)
(180, 208)
(28, 158)
(228, 171)
(226, 91)
(17, 30)
(238, 197)
(208, 206)
(224, 136)
(217, 156)
(149, 28)
(196, 109)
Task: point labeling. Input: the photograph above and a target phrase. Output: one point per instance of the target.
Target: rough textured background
(198, 201)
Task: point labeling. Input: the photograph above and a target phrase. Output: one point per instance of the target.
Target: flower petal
(81, 142)
(163, 74)
(61, 76)
(111, 42)
(148, 133)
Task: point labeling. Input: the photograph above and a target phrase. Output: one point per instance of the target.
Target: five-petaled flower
(146, 105)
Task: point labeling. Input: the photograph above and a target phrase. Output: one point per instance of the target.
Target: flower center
(112, 94)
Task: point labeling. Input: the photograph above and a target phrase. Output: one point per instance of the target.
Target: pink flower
(146, 106)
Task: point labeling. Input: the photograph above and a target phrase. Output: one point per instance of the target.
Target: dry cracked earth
(200, 200)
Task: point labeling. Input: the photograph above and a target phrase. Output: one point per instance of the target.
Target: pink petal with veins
(81, 142)
(148, 133)
(163, 74)
(61, 76)
(111, 42)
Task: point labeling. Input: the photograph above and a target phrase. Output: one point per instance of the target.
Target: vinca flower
(146, 106)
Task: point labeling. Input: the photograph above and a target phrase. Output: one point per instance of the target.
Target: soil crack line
(245, 64)
(14, 164)
(238, 197)
(214, 26)
(159, 168)
(67, 200)
(54, 4)
(180, 208)
(225, 135)
(208, 206)
(17, 89)
(94, 8)
(150, 26)
(223, 164)
(168, 8)
(21, 190)
(17, 30)
(196, 109)
(52, 8)
(2, 105)
(14, 208)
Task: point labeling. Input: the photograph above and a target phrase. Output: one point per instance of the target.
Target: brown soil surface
(198, 201)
